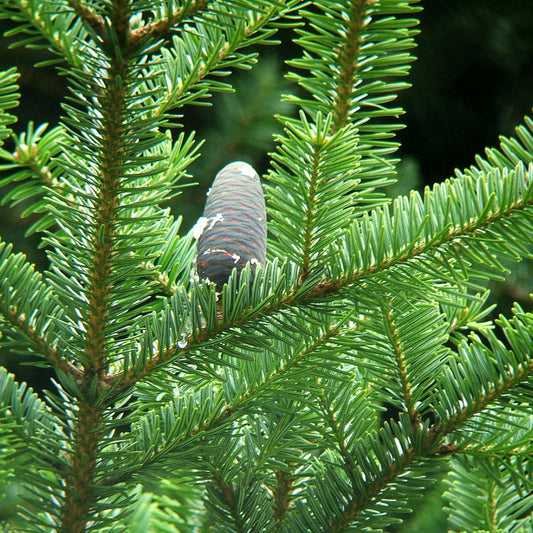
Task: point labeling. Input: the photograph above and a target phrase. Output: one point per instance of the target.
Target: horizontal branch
(431, 445)
(163, 26)
(224, 412)
(31, 309)
(431, 236)
(21, 323)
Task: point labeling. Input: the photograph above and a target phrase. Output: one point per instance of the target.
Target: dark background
(473, 81)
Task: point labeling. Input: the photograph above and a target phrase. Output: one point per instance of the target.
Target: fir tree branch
(361, 501)
(10, 99)
(21, 288)
(353, 52)
(96, 22)
(431, 236)
(227, 496)
(103, 230)
(33, 171)
(506, 384)
(274, 406)
(445, 235)
(429, 442)
(49, 23)
(347, 57)
(188, 344)
(102, 249)
(80, 478)
(41, 344)
(283, 492)
(233, 406)
(163, 26)
(316, 173)
(401, 366)
(248, 28)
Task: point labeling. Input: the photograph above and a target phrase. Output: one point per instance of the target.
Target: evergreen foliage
(327, 393)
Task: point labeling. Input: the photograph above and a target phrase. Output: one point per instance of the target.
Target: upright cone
(232, 230)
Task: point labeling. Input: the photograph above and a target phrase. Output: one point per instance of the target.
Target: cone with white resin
(232, 230)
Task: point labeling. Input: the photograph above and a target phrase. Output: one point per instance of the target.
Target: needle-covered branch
(319, 391)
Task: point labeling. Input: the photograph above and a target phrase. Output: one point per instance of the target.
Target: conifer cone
(232, 230)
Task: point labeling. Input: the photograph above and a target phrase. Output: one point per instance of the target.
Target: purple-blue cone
(233, 227)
